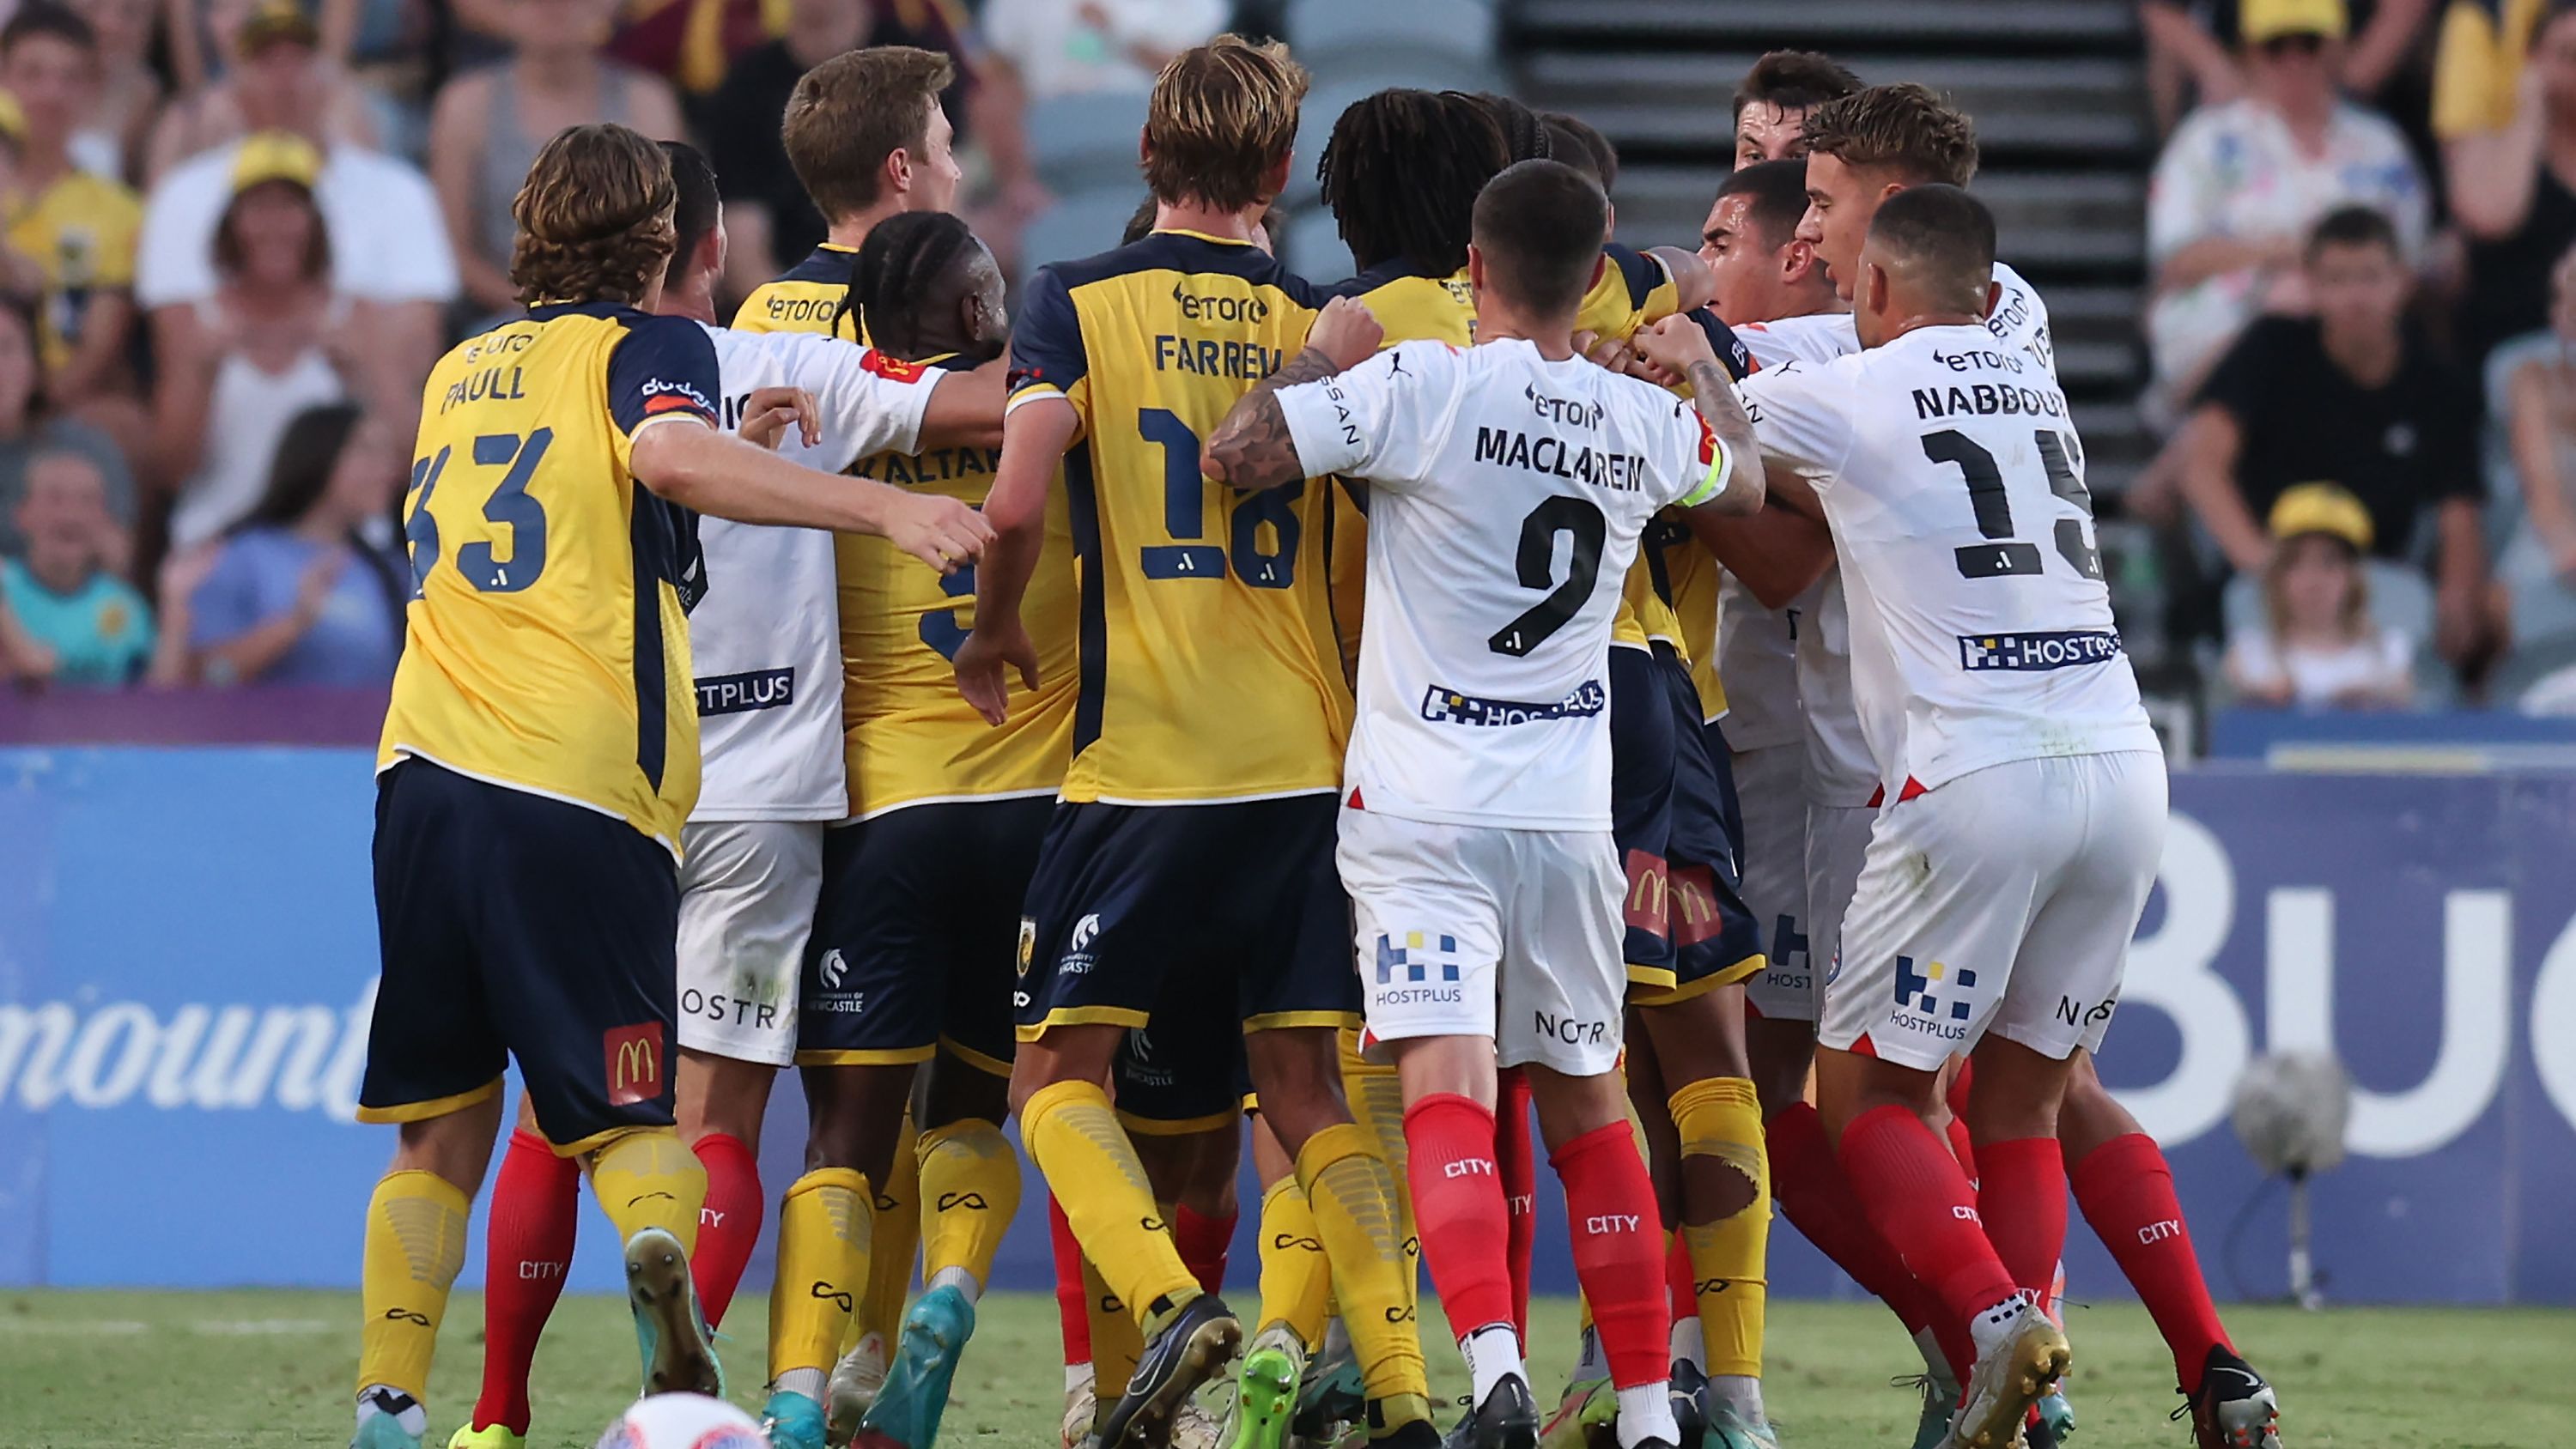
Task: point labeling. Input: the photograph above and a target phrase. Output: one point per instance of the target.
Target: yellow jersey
(1685, 575)
(80, 232)
(1205, 623)
(546, 646)
(805, 298)
(911, 738)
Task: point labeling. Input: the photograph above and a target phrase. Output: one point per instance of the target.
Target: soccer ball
(683, 1421)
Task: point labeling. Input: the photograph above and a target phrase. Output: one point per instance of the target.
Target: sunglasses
(2306, 44)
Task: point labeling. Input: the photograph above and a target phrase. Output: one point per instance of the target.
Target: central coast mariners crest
(1028, 943)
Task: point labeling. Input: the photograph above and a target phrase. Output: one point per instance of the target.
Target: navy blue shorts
(1685, 926)
(917, 935)
(513, 925)
(1200, 919)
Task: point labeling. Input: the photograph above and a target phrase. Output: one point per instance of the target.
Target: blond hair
(1221, 116)
(1904, 127)
(595, 218)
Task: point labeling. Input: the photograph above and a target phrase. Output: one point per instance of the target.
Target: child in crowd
(71, 621)
(2317, 647)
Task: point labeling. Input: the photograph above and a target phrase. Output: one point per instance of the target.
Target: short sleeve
(1632, 290)
(1383, 420)
(663, 368)
(1820, 337)
(226, 604)
(1698, 462)
(870, 403)
(1731, 352)
(1798, 413)
(1047, 359)
(2242, 381)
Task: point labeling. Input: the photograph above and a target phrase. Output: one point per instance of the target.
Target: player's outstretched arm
(1692, 280)
(966, 410)
(1777, 552)
(1679, 346)
(718, 474)
(1251, 449)
(1034, 439)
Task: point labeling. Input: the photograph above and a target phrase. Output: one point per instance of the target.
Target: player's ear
(1274, 177)
(1475, 268)
(1874, 287)
(1797, 259)
(1994, 295)
(898, 171)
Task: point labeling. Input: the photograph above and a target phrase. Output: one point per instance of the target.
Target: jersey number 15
(2003, 556)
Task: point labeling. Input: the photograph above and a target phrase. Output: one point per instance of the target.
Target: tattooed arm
(1252, 449)
(1680, 347)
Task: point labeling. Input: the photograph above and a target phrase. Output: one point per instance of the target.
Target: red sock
(1072, 1300)
(2021, 1195)
(2126, 1192)
(728, 1225)
(526, 1250)
(1202, 1242)
(1681, 1286)
(1618, 1251)
(1458, 1209)
(1817, 1198)
(1519, 1168)
(1922, 1205)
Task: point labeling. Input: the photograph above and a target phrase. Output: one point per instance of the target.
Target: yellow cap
(2261, 20)
(275, 20)
(2322, 508)
(275, 156)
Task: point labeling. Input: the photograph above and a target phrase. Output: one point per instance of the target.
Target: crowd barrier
(187, 947)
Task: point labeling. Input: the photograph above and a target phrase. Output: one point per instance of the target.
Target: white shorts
(1837, 840)
(1469, 930)
(2002, 901)
(1771, 797)
(747, 892)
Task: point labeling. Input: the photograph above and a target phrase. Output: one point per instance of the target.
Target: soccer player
(1475, 838)
(526, 881)
(1207, 727)
(914, 948)
(2025, 788)
(868, 138)
(1772, 103)
(772, 776)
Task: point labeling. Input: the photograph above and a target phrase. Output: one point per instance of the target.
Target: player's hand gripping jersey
(1205, 633)
(1508, 494)
(526, 530)
(1981, 629)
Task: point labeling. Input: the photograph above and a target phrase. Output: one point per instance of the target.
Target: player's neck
(1498, 321)
(1921, 320)
(849, 233)
(694, 299)
(1206, 220)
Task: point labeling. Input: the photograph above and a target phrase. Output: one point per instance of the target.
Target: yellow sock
(898, 1240)
(1074, 1137)
(1353, 1198)
(1296, 1280)
(970, 1187)
(650, 1179)
(1377, 1101)
(826, 1224)
(415, 1245)
(1115, 1341)
(1721, 1119)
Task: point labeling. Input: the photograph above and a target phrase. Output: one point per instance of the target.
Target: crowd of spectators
(234, 235)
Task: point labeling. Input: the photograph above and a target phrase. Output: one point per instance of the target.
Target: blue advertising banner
(187, 949)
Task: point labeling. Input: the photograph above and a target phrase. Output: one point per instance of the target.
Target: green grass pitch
(148, 1370)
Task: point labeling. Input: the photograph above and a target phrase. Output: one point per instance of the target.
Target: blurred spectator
(2539, 404)
(75, 621)
(2191, 46)
(695, 42)
(26, 429)
(1089, 47)
(2239, 185)
(127, 100)
(2478, 78)
(2353, 397)
(2514, 192)
(488, 123)
(296, 593)
(236, 367)
(382, 217)
(75, 227)
(2317, 646)
(220, 77)
(770, 222)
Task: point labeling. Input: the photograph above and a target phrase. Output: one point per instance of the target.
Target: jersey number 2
(1185, 517)
(1536, 564)
(2005, 556)
(509, 504)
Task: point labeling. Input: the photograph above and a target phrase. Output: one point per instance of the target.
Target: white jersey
(1757, 661)
(766, 640)
(1507, 494)
(1953, 481)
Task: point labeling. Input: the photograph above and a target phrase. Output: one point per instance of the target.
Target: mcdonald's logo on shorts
(634, 1062)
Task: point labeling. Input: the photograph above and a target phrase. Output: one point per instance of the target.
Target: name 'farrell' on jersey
(1981, 630)
(1206, 641)
(1508, 494)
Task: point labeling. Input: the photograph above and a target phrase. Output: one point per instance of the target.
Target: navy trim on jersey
(1731, 352)
(1176, 251)
(1092, 639)
(825, 264)
(1642, 273)
(651, 539)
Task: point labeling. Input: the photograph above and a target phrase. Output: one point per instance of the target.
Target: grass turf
(109, 1370)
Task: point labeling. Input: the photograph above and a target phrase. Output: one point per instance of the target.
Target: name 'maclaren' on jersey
(1507, 495)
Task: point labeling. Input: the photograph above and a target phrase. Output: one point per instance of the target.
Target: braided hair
(1401, 174)
(898, 269)
(1525, 135)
